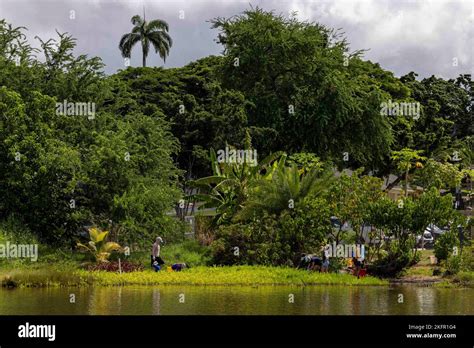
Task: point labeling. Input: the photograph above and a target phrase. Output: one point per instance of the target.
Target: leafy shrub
(444, 245)
(462, 262)
(389, 266)
(464, 278)
(14, 231)
(398, 257)
(269, 240)
(190, 251)
(140, 235)
(415, 259)
(256, 242)
(336, 264)
(453, 264)
(467, 259)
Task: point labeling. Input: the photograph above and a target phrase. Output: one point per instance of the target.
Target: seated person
(315, 264)
(177, 267)
(310, 262)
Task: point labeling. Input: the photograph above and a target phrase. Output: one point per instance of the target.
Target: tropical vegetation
(134, 153)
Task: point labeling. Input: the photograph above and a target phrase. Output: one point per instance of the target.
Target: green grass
(232, 275)
(425, 271)
(425, 257)
(190, 252)
(44, 277)
(464, 278)
(425, 268)
(461, 280)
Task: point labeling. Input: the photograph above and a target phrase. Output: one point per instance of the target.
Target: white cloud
(422, 36)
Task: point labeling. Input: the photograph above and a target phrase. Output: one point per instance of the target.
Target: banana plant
(98, 247)
(228, 188)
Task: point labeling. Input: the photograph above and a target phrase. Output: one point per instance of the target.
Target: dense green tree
(349, 198)
(61, 172)
(444, 130)
(440, 175)
(294, 75)
(203, 114)
(407, 159)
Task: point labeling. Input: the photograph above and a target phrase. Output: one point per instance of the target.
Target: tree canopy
(143, 135)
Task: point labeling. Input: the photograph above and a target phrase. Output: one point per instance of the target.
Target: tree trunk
(393, 184)
(406, 183)
(144, 60)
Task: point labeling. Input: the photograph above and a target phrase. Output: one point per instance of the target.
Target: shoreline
(252, 276)
(199, 276)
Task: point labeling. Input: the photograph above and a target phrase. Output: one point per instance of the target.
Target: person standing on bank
(155, 252)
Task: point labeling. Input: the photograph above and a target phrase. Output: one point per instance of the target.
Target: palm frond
(127, 42)
(137, 20)
(157, 24)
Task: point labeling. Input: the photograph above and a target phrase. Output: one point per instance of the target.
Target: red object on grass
(362, 272)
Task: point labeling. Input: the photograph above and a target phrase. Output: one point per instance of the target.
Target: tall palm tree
(154, 32)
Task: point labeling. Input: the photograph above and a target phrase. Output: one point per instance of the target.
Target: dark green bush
(272, 240)
(444, 245)
(398, 257)
(453, 264)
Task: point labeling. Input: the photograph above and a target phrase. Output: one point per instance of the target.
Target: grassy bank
(424, 270)
(56, 267)
(236, 275)
(462, 279)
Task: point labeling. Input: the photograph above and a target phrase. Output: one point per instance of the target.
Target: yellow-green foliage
(98, 246)
(236, 275)
(44, 277)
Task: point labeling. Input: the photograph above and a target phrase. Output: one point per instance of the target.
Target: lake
(238, 300)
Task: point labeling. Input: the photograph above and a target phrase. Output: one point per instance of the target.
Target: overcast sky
(422, 36)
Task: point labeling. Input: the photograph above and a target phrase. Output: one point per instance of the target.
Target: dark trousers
(157, 259)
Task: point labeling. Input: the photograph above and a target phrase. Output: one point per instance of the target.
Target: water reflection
(316, 300)
(156, 301)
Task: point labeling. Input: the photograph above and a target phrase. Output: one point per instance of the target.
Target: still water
(221, 300)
